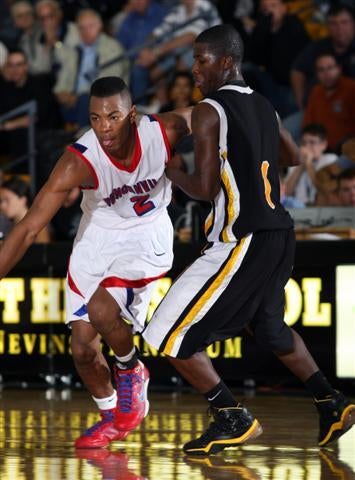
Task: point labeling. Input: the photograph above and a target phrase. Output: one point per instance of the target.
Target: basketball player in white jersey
(124, 243)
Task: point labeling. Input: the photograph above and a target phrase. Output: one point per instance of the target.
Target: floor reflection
(37, 431)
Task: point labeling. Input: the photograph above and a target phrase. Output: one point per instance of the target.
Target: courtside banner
(35, 343)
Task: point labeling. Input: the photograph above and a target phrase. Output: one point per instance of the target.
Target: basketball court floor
(38, 428)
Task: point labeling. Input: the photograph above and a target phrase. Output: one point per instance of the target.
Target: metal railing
(30, 109)
(132, 52)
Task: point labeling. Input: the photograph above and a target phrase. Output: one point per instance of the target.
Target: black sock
(220, 396)
(319, 386)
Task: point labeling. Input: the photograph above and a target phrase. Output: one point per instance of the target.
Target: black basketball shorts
(229, 287)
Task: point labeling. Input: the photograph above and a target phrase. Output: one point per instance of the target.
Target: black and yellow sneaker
(336, 416)
(232, 426)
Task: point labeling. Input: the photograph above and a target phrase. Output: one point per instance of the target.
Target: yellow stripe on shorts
(204, 298)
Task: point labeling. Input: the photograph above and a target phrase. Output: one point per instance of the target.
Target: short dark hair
(108, 86)
(182, 74)
(327, 53)
(223, 40)
(347, 174)
(340, 7)
(17, 51)
(19, 187)
(316, 129)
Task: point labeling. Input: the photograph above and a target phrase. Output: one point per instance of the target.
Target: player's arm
(69, 172)
(177, 124)
(204, 183)
(289, 152)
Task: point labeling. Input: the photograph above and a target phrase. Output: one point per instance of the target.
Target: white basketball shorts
(126, 263)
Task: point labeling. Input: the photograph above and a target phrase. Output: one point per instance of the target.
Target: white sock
(106, 403)
(122, 360)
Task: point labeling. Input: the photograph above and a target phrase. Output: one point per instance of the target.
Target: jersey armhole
(165, 137)
(89, 164)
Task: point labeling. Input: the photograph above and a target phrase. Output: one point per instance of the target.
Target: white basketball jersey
(123, 197)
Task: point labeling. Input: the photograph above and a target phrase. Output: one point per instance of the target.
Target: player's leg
(89, 361)
(233, 424)
(336, 413)
(94, 372)
(198, 307)
(131, 376)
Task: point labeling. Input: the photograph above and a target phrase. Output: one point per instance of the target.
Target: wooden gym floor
(37, 430)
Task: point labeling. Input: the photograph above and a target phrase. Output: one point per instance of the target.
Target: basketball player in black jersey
(238, 281)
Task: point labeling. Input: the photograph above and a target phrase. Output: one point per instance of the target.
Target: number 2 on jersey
(264, 169)
(142, 205)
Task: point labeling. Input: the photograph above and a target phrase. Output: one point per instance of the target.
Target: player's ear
(228, 62)
(133, 114)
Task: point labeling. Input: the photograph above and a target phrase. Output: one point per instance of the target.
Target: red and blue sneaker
(132, 399)
(101, 433)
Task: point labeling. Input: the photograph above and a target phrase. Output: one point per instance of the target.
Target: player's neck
(124, 154)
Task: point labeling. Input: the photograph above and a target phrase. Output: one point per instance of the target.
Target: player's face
(207, 70)
(111, 119)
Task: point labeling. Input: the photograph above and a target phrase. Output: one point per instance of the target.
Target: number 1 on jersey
(264, 169)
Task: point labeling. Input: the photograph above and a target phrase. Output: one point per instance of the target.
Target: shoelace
(212, 429)
(223, 425)
(125, 384)
(107, 417)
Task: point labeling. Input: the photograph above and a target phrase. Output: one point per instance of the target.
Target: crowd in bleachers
(300, 54)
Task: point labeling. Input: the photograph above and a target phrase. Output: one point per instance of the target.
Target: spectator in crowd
(174, 39)
(288, 201)
(57, 37)
(180, 92)
(273, 45)
(23, 17)
(66, 221)
(89, 61)
(5, 223)
(106, 8)
(332, 102)
(346, 188)
(15, 201)
(3, 55)
(17, 88)
(142, 18)
(341, 43)
(301, 182)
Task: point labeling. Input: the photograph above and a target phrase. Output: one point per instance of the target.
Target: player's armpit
(177, 124)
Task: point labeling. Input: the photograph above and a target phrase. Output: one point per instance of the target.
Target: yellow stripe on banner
(230, 207)
(204, 298)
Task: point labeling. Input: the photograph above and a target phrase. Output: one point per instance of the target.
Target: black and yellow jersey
(249, 199)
